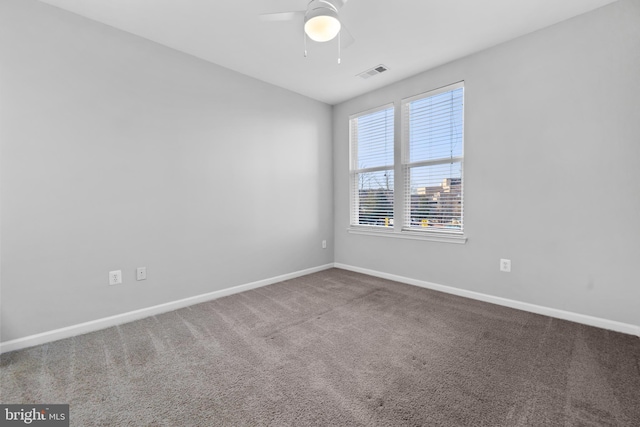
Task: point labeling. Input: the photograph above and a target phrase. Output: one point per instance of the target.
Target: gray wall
(552, 144)
(118, 153)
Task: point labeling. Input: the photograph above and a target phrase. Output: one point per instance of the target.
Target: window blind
(371, 169)
(433, 160)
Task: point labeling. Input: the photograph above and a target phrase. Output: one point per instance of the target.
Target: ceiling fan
(321, 22)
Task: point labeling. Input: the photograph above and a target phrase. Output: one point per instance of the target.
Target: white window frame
(354, 172)
(407, 165)
(401, 177)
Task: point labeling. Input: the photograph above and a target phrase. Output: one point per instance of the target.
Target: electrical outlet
(324, 244)
(505, 265)
(141, 273)
(115, 277)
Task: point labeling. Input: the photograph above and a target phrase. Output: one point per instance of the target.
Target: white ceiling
(408, 36)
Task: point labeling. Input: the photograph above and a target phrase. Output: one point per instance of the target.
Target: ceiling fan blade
(281, 16)
(346, 39)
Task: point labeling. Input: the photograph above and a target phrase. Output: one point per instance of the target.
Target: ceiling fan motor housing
(321, 22)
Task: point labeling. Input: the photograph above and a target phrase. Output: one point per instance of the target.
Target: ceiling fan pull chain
(339, 43)
(304, 37)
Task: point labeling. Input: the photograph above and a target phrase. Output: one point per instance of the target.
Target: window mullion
(399, 209)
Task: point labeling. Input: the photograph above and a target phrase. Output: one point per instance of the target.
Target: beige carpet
(336, 348)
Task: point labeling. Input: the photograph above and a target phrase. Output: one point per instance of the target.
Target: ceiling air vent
(373, 71)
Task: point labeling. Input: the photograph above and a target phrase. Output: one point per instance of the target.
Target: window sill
(410, 234)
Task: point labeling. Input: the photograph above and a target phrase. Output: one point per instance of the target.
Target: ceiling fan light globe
(322, 26)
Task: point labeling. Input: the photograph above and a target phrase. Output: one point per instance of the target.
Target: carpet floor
(336, 348)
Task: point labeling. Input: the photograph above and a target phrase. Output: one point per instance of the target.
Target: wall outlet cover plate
(115, 277)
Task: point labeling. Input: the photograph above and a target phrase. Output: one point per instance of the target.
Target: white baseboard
(106, 322)
(611, 325)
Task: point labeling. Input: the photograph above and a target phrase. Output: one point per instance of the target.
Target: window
(433, 160)
(428, 201)
(372, 164)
